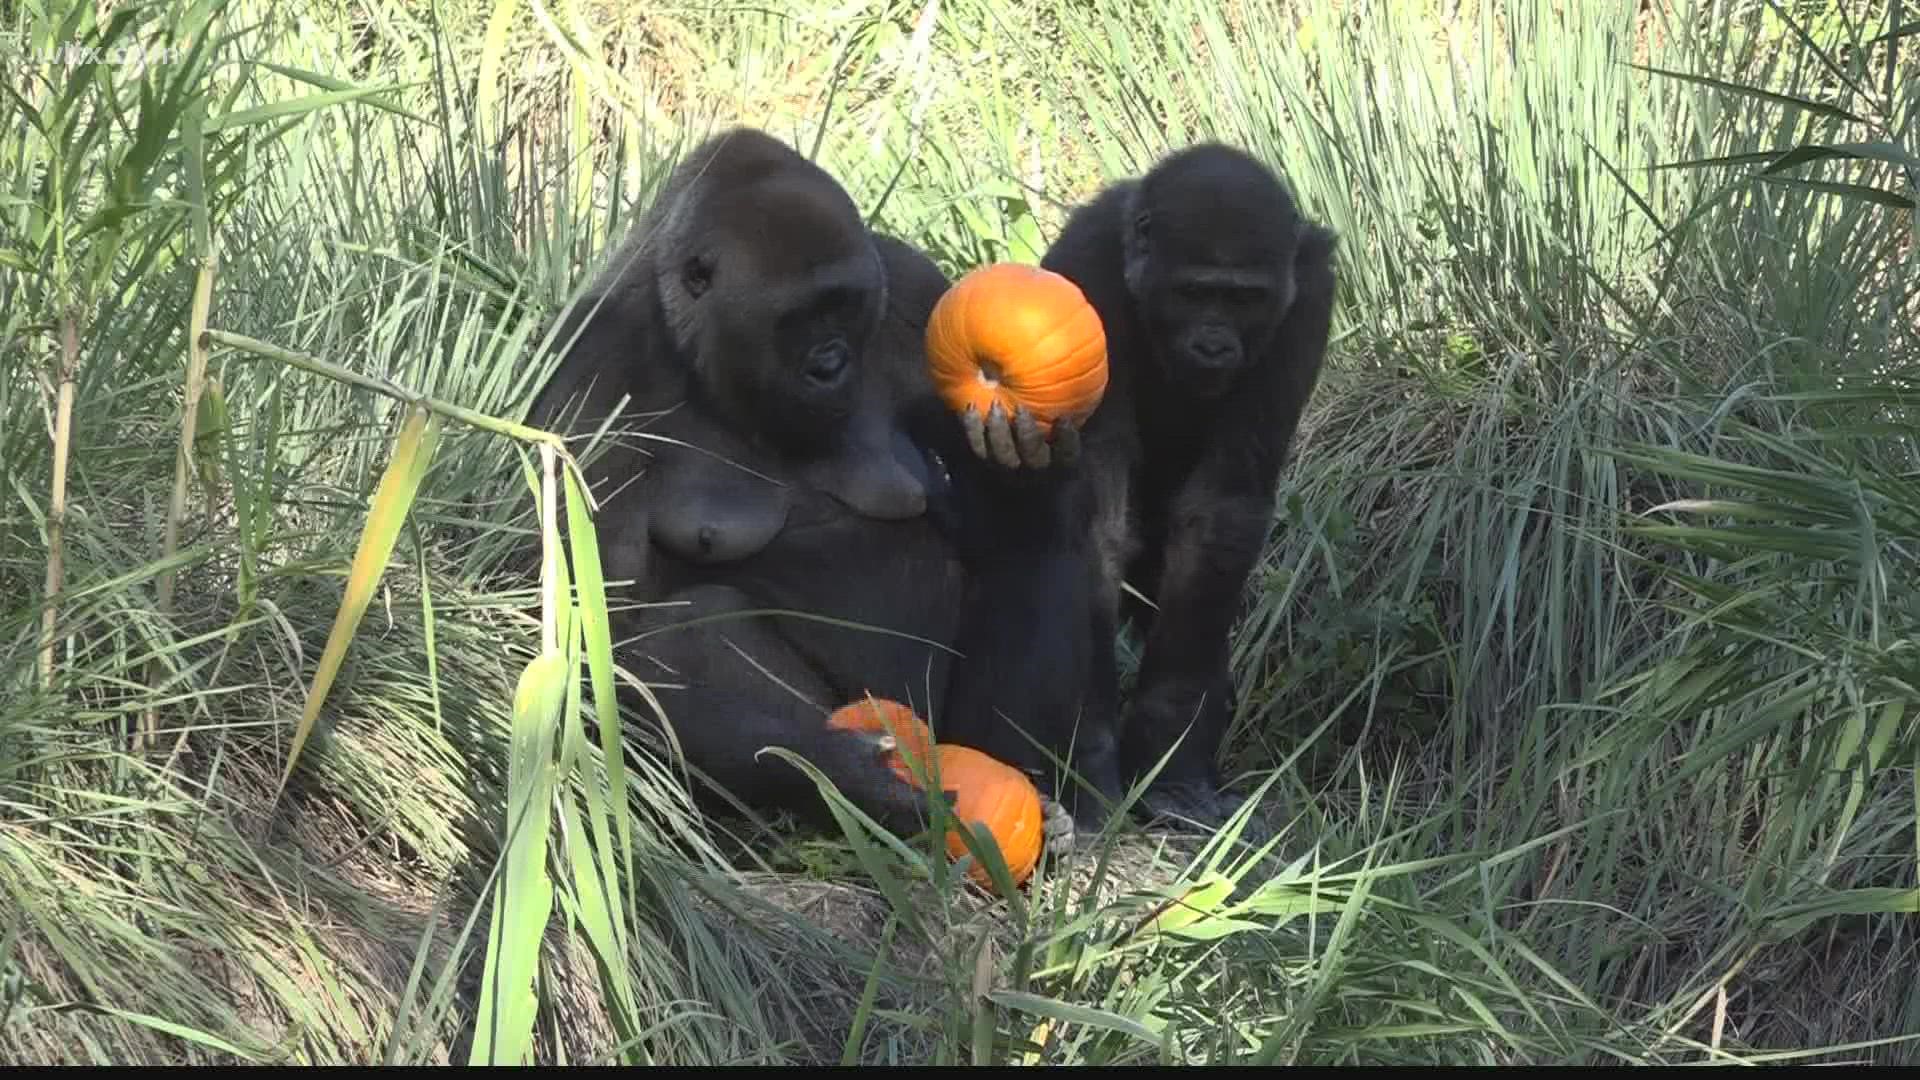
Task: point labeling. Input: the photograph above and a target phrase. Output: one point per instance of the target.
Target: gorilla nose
(827, 365)
(1215, 348)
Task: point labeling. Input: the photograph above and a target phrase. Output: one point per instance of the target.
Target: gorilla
(1216, 294)
(766, 342)
(797, 511)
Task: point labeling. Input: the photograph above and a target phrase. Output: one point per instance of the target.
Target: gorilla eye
(1140, 223)
(697, 275)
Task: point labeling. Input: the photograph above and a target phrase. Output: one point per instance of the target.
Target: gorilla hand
(861, 765)
(1187, 788)
(1057, 827)
(1016, 441)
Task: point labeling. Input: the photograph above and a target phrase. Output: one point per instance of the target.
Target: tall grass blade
(413, 451)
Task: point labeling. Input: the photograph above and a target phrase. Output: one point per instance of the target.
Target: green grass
(1580, 668)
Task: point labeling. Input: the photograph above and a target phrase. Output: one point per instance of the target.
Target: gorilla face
(821, 333)
(1204, 321)
(1210, 246)
(777, 296)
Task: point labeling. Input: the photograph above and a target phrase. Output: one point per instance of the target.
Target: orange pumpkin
(999, 796)
(880, 714)
(1018, 335)
(986, 791)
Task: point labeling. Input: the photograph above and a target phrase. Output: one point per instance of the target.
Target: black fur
(1216, 295)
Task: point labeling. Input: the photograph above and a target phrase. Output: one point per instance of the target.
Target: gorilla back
(768, 343)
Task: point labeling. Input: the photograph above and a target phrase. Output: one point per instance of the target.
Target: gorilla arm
(1019, 509)
(1024, 687)
(1034, 666)
(730, 686)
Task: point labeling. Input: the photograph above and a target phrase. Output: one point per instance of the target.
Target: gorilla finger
(976, 432)
(1000, 438)
(1057, 827)
(1066, 442)
(1034, 451)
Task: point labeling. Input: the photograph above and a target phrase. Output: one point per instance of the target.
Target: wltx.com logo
(70, 54)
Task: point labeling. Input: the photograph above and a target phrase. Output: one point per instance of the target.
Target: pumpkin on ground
(880, 714)
(986, 791)
(1018, 335)
(990, 792)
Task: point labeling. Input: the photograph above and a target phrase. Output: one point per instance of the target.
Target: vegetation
(1580, 677)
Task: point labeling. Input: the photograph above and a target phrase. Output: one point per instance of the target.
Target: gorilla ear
(696, 274)
(883, 295)
(1133, 242)
(1317, 245)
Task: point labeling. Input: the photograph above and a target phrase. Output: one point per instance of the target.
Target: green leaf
(863, 1013)
(1192, 904)
(492, 48)
(1876, 150)
(328, 82)
(861, 832)
(291, 107)
(1852, 191)
(1065, 1013)
(523, 896)
(1809, 104)
(1025, 242)
(181, 1031)
(1870, 901)
(1907, 30)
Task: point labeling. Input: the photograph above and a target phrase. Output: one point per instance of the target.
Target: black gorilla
(772, 347)
(765, 341)
(1216, 295)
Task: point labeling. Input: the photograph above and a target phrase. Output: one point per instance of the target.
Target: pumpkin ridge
(1074, 395)
(993, 333)
(1070, 365)
(1040, 369)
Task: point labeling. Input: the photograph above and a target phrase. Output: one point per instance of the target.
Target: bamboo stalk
(189, 428)
(57, 508)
